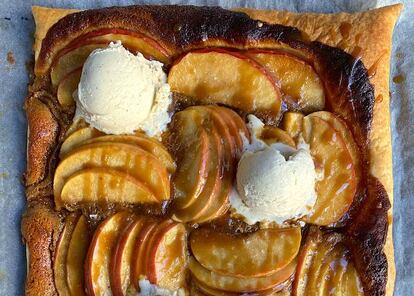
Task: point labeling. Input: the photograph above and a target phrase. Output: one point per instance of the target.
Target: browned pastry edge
(41, 226)
(346, 79)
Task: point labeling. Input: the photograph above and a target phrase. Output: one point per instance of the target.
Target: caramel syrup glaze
(348, 94)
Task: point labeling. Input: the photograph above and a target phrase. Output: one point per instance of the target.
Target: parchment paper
(16, 31)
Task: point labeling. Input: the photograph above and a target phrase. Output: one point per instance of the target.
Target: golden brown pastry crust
(365, 34)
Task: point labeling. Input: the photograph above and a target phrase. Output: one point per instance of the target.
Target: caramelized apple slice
(77, 250)
(123, 157)
(271, 135)
(300, 85)
(211, 189)
(336, 190)
(67, 86)
(292, 123)
(59, 263)
(103, 186)
(134, 41)
(78, 137)
(121, 260)
(138, 269)
(274, 291)
(350, 282)
(91, 135)
(237, 284)
(99, 254)
(148, 144)
(71, 60)
(216, 251)
(237, 126)
(341, 127)
(191, 177)
(224, 130)
(167, 256)
(324, 263)
(220, 76)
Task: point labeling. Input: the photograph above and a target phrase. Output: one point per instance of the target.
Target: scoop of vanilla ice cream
(120, 92)
(274, 183)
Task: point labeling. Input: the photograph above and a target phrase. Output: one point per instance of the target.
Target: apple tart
(138, 213)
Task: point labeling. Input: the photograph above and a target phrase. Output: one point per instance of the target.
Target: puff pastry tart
(179, 150)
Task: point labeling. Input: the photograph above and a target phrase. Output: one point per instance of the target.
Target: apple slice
(211, 189)
(97, 265)
(300, 85)
(59, 262)
(77, 250)
(351, 283)
(89, 135)
(167, 257)
(67, 86)
(341, 127)
(324, 263)
(274, 291)
(271, 135)
(76, 125)
(224, 130)
(103, 186)
(136, 42)
(237, 125)
(138, 268)
(237, 284)
(148, 144)
(227, 77)
(292, 123)
(192, 172)
(121, 261)
(71, 60)
(78, 137)
(216, 251)
(336, 190)
(123, 157)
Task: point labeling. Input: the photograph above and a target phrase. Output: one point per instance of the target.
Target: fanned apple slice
(274, 291)
(67, 86)
(341, 127)
(90, 135)
(332, 272)
(138, 269)
(136, 42)
(167, 257)
(59, 262)
(336, 190)
(324, 263)
(126, 158)
(271, 135)
(77, 124)
(237, 284)
(78, 137)
(103, 185)
(152, 146)
(191, 176)
(292, 123)
(216, 251)
(237, 125)
(212, 187)
(230, 78)
(97, 272)
(71, 60)
(351, 283)
(223, 128)
(121, 261)
(77, 250)
(300, 85)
